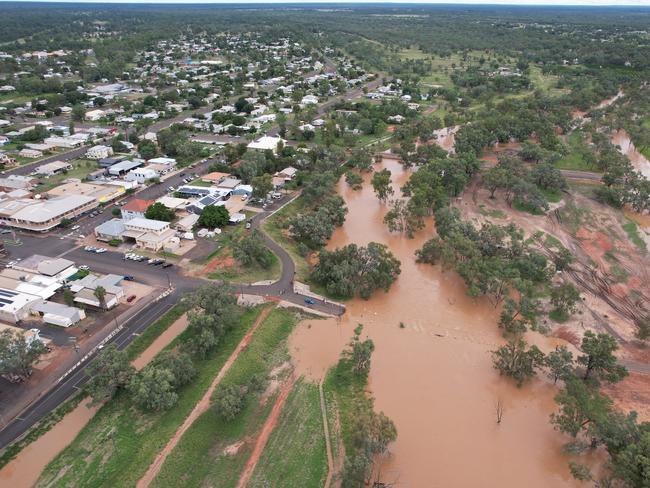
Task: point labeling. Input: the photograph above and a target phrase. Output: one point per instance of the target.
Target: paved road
(65, 156)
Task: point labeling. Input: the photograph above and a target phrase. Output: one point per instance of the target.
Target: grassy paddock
(201, 457)
(120, 442)
(295, 454)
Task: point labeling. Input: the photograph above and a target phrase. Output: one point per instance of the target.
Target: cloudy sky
(473, 2)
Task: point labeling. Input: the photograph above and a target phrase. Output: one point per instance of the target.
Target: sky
(459, 2)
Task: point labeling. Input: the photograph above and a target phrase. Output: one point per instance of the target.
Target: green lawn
(200, 458)
(295, 454)
(249, 274)
(120, 442)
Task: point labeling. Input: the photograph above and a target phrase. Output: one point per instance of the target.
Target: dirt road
(265, 433)
(202, 405)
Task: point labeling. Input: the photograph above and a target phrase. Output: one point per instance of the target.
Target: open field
(213, 451)
(295, 454)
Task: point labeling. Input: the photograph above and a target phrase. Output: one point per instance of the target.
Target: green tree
(598, 358)
(262, 185)
(353, 180)
(116, 212)
(581, 406)
(153, 389)
(68, 297)
(110, 372)
(352, 270)
(229, 401)
(560, 364)
(214, 216)
(381, 184)
(147, 149)
(516, 361)
(18, 353)
(564, 298)
(158, 211)
(361, 159)
(252, 250)
(359, 352)
(100, 294)
(78, 113)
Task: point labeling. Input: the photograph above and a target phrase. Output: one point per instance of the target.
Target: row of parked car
(97, 250)
(152, 261)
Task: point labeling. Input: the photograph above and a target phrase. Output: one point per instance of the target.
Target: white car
(75, 227)
(100, 250)
(84, 267)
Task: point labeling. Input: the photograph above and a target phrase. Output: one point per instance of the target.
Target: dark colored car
(129, 278)
(167, 265)
(131, 298)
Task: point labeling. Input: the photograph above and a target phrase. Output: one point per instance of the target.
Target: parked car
(131, 298)
(309, 301)
(167, 265)
(129, 278)
(84, 267)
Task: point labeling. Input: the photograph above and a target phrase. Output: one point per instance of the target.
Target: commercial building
(84, 290)
(101, 193)
(124, 167)
(43, 215)
(58, 268)
(153, 235)
(109, 230)
(58, 314)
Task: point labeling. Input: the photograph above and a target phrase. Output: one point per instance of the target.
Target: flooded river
(639, 161)
(25, 470)
(434, 377)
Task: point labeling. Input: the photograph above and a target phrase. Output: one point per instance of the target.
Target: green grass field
(120, 442)
(295, 454)
(574, 160)
(249, 274)
(202, 457)
(81, 169)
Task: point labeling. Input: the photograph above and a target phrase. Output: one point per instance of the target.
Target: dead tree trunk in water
(499, 410)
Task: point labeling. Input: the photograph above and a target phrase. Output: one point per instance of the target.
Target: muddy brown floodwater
(434, 377)
(26, 468)
(639, 161)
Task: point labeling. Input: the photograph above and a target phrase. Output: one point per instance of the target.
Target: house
(214, 177)
(173, 203)
(53, 168)
(94, 115)
(99, 152)
(229, 184)
(109, 230)
(136, 208)
(153, 235)
(266, 143)
(58, 314)
(141, 175)
(287, 173)
(30, 153)
(187, 223)
(213, 199)
(169, 163)
(84, 290)
(309, 100)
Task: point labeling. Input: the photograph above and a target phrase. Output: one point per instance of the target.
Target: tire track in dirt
(266, 431)
(326, 431)
(202, 405)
